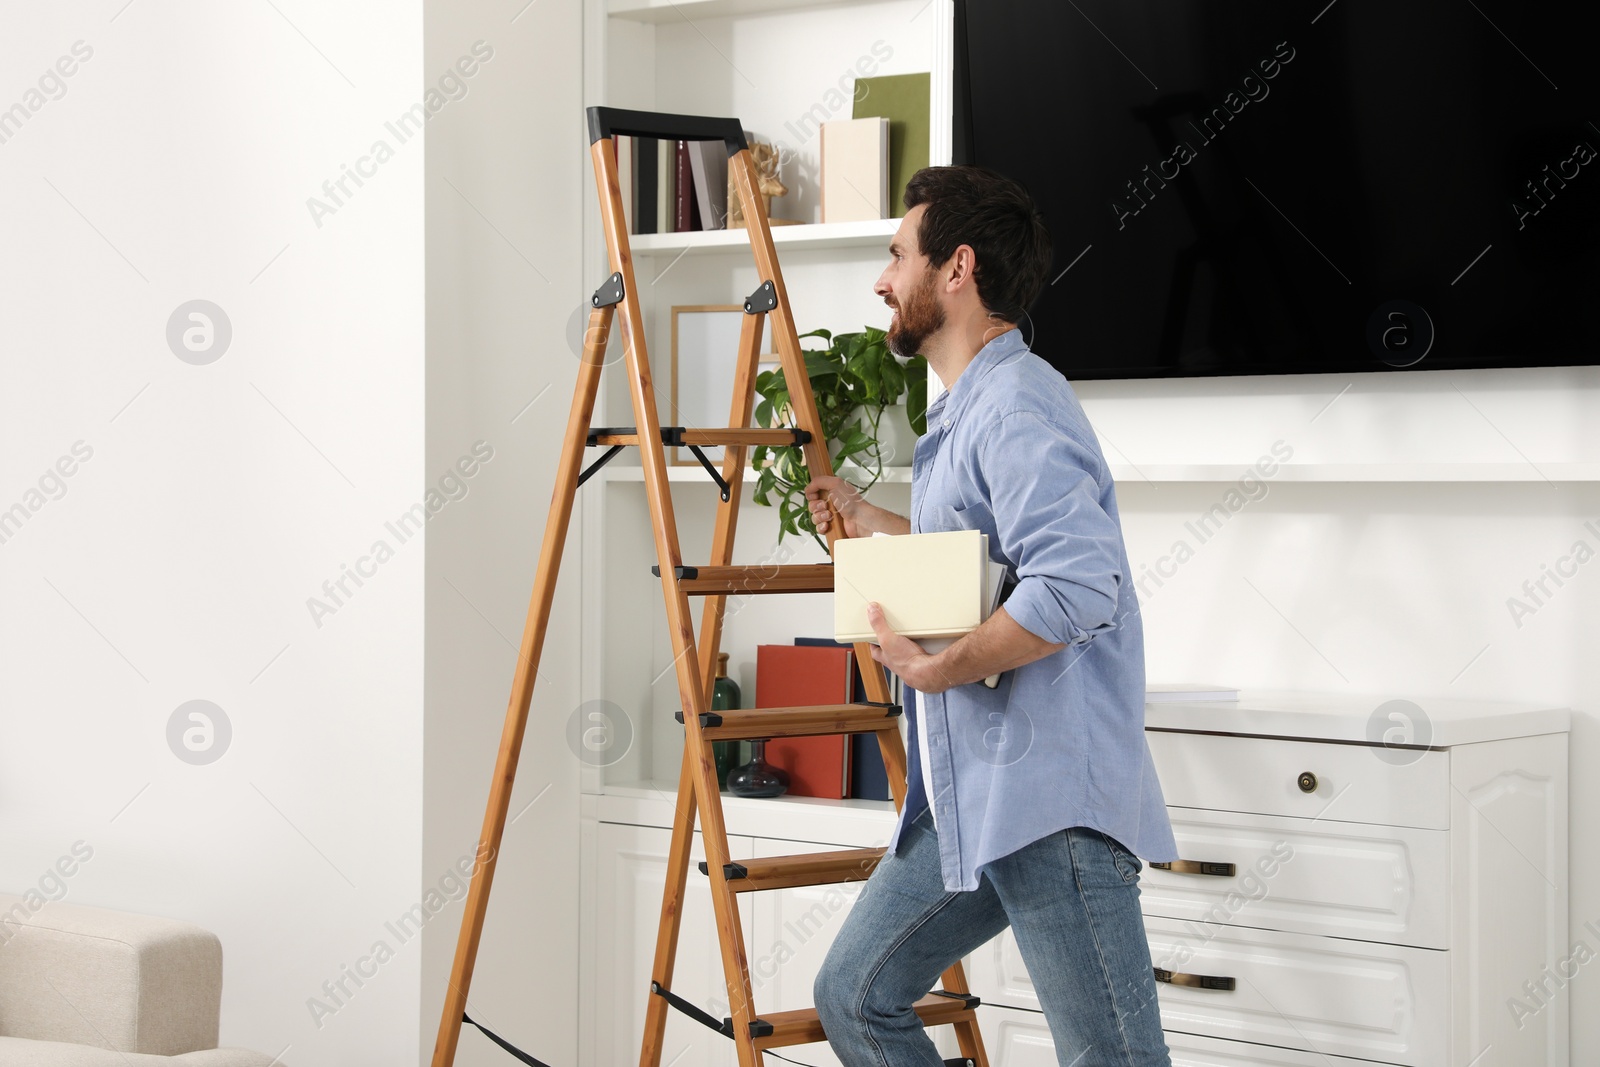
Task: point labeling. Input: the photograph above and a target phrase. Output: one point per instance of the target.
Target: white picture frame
(705, 354)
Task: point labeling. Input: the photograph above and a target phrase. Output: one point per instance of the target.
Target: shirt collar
(1001, 350)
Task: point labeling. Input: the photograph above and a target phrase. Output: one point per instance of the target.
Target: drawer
(1191, 1050)
(1022, 1039)
(1311, 876)
(1261, 775)
(1326, 995)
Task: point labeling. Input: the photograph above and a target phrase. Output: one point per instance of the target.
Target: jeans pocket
(1128, 865)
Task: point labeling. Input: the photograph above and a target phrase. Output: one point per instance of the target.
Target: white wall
(1392, 590)
(176, 562)
(507, 170)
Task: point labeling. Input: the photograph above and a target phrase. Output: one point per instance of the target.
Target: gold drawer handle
(1194, 981)
(1219, 870)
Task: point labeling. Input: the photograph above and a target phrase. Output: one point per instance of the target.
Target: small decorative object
(725, 697)
(855, 380)
(758, 778)
(768, 163)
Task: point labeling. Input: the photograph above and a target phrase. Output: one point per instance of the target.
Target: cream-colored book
(929, 585)
(855, 170)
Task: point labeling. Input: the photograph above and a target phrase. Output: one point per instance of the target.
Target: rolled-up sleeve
(1048, 513)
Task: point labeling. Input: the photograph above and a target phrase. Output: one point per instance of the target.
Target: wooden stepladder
(695, 659)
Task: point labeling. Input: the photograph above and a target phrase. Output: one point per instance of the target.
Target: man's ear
(960, 267)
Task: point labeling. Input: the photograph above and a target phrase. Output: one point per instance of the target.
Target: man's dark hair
(969, 205)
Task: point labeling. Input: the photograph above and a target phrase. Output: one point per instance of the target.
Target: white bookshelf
(772, 64)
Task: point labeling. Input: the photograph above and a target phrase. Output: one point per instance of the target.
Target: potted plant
(855, 381)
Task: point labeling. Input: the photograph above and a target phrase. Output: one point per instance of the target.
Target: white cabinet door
(631, 872)
(793, 930)
(1016, 1038)
(792, 933)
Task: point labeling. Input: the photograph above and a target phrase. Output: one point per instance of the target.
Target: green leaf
(917, 393)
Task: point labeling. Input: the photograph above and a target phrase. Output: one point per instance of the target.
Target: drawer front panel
(1373, 883)
(1346, 998)
(1261, 775)
(1191, 1050)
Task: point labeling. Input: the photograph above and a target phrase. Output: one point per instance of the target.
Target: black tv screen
(1263, 187)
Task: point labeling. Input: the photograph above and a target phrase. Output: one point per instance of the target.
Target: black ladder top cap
(611, 121)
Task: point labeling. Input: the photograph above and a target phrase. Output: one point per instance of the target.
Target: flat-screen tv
(1296, 186)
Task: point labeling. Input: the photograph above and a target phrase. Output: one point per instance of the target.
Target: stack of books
(672, 186)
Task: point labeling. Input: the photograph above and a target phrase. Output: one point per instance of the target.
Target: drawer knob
(1194, 981)
(1307, 782)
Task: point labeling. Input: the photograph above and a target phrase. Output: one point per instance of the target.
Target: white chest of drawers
(1346, 902)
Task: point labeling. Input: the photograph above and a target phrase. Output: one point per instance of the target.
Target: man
(1027, 802)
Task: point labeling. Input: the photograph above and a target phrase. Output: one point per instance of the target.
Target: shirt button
(947, 422)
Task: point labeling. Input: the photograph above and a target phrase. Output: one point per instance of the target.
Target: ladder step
(823, 719)
(780, 1029)
(789, 872)
(749, 580)
(711, 435)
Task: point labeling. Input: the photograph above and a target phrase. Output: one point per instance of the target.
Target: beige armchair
(86, 987)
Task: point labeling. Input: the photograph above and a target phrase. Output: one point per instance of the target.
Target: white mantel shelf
(1347, 717)
(697, 473)
(820, 235)
(1360, 472)
(1161, 473)
(685, 10)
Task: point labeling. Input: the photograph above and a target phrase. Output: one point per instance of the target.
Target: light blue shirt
(1060, 742)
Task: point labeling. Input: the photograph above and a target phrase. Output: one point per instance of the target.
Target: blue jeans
(1072, 902)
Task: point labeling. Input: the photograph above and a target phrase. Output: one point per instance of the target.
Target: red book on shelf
(686, 210)
(796, 676)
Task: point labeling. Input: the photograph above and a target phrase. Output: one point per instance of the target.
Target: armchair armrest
(133, 983)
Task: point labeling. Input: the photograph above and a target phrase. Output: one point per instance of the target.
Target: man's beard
(921, 316)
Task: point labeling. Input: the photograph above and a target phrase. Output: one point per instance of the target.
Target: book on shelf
(645, 181)
(794, 676)
(904, 100)
(869, 778)
(708, 162)
(665, 156)
(855, 169)
(622, 152)
(685, 211)
(1186, 692)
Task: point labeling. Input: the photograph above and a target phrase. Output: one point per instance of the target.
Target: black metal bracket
(967, 999)
(708, 719)
(716, 475)
(762, 300)
(730, 871)
(609, 293)
(597, 464)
